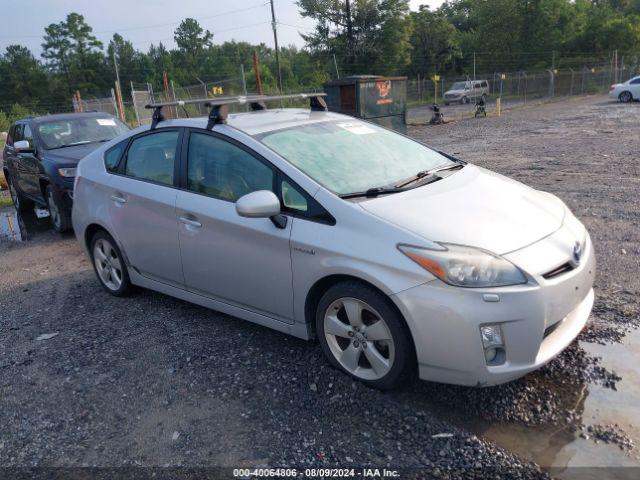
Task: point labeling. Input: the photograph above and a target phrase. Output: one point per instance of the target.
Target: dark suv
(41, 156)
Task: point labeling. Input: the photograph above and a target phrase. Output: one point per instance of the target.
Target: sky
(144, 22)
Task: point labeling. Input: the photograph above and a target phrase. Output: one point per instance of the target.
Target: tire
(109, 265)
(60, 217)
(446, 103)
(372, 343)
(625, 97)
(21, 203)
(464, 100)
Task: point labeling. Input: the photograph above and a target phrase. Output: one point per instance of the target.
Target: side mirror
(260, 204)
(22, 146)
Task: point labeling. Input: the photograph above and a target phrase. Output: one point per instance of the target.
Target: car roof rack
(219, 106)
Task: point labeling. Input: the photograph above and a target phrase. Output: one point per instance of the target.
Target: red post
(256, 70)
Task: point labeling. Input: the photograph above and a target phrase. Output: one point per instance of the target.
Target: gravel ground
(154, 381)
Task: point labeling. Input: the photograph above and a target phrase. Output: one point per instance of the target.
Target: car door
(30, 166)
(141, 196)
(242, 261)
(20, 173)
(634, 88)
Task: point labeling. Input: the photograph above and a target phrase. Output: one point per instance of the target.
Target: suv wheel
(361, 334)
(60, 217)
(20, 202)
(109, 265)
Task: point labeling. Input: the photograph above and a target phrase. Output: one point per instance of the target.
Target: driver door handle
(118, 199)
(190, 222)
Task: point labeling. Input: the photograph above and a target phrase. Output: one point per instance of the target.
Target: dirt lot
(153, 381)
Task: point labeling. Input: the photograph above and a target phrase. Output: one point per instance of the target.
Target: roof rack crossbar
(217, 115)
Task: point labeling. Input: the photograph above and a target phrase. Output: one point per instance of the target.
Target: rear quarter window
(113, 155)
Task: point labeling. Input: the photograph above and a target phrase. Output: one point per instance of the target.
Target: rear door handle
(118, 199)
(190, 222)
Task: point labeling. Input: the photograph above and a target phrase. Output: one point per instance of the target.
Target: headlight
(67, 172)
(465, 266)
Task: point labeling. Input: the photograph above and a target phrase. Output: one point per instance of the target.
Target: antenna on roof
(219, 106)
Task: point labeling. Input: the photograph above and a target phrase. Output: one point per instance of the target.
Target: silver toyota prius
(397, 257)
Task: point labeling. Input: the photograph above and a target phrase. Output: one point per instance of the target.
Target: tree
(435, 42)
(192, 41)
(369, 36)
(72, 51)
(23, 78)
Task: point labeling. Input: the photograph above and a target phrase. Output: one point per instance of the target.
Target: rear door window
(152, 157)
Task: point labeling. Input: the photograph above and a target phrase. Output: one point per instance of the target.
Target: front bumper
(538, 320)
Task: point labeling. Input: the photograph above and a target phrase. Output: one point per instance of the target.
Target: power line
(142, 27)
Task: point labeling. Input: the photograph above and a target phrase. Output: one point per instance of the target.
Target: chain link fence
(512, 88)
(106, 104)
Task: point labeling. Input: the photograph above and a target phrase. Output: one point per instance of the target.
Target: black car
(41, 156)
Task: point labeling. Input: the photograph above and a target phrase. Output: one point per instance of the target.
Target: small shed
(382, 100)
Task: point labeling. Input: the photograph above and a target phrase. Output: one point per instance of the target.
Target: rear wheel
(109, 265)
(364, 336)
(20, 202)
(60, 216)
(625, 97)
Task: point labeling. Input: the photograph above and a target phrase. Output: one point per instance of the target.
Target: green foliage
(16, 112)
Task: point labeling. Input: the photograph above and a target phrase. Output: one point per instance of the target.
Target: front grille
(556, 272)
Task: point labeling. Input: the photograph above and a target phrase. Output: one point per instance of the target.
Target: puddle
(20, 227)
(564, 453)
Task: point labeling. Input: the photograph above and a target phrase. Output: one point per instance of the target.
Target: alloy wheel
(54, 211)
(108, 264)
(359, 338)
(625, 97)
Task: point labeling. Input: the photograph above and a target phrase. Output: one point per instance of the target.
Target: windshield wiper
(84, 142)
(373, 192)
(426, 173)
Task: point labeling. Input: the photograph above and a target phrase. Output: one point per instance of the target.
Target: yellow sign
(215, 90)
(436, 78)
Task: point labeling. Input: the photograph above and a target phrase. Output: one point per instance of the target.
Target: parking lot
(153, 381)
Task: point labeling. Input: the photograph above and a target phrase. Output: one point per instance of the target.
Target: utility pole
(474, 65)
(347, 13)
(115, 64)
(275, 40)
(256, 71)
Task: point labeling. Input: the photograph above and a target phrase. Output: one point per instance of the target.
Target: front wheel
(625, 97)
(109, 265)
(363, 335)
(464, 100)
(60, 217)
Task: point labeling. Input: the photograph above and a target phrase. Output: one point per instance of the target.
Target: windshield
(78, 131)
(352, 156)
(458, 86)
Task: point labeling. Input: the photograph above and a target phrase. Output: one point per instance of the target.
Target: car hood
(70, 155)
(473, 207)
